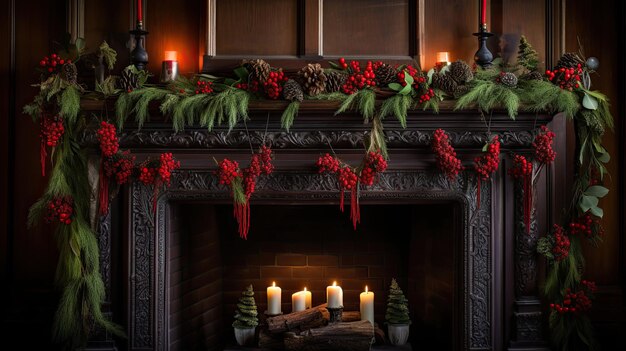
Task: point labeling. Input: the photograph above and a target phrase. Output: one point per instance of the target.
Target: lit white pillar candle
(308, 298)
(273, 299)
(367, 306)
(298, 301)
(334, 296)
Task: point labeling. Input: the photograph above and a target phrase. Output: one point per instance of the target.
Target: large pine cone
(259, 69)
(129, 81)
(385, 74)
(532, 75)
(335, 80)
(461, 72)
(445, 83)
(509, 79)
(313, 79)
(570, 60)
(292, 91)
(70, 72)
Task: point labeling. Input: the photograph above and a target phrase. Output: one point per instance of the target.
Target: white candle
(367, 306)
(298, 301)
(273, 299)
(334, 296)
(308, 298)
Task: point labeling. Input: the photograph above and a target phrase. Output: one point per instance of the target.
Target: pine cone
(335, 80)
(385, 74)
(292, 91)
(445, 83)
(70, 72)
(532, 75)
(461, 72)
(313, 79)
(570, 60)
(460, 91)
(129, 81)
(259, 69)
(509, 79)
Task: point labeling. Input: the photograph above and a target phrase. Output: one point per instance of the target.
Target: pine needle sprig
(289, 115)
(363, 101)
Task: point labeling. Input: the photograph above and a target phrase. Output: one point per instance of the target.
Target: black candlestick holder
(139, 55)
(483, 57)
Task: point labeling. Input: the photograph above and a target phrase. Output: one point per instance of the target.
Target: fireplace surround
(495, 294)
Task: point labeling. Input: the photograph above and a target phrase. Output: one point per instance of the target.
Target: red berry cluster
(584, 225)
(260, 163)
(252, 87)
(227, 171)
(59, 209)
(147, 175)
(573, 302)
(589, 285)
(447, 161)
(488, 163)
(120, 167)
(167, 164)
(347, 178)
(52, 130)
(542, 146)
(566, 78)
(204, 87)
(374, 164)
(266, 159)
(273, 86)
(327, 163)
(560, 248)
(522, 167)
(343, 64)
(107, 136)
(418, 78)
(358, 79)
(53, 63)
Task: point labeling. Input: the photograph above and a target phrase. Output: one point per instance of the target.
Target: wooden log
(271, 341)
(380, 336)
(351, 316)
(298, 321)
(353, 336)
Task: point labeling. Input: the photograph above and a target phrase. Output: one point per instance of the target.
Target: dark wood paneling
(173, 25)
(110, 23)
(247, 27)
(522, 18)
(371, 28)
(6, 113)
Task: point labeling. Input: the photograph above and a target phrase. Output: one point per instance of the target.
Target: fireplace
(465, 262)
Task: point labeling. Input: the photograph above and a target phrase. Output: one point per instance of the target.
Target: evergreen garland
(246, 314)
(363, 101)
(289, 115)
(397, 306)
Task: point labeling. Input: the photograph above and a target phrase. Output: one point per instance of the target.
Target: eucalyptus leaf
(597, 211)
(242, 73)
(486, 147)
(590, 102)
(408, 79)
(597, 191)
(587, 202)
(80, 44)
(604, 157)
(395, 86)
(334, 65)
(430, 75)
(406, 90)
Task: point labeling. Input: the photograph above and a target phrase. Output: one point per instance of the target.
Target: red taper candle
(139, 11)
(483, 12)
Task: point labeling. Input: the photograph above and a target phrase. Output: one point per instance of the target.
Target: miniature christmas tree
(246, 315)
(397, 306)
(527, 57)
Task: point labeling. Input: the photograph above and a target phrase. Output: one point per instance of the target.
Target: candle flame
(273, 284)
(366, 288)
(170, 55)
(442, 56)
(305, 288)
(334, 283)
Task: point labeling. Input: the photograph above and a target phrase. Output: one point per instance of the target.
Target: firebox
(459, 251)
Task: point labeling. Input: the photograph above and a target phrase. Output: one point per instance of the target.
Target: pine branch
(289, 115)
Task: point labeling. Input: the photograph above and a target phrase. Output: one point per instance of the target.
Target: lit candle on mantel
(443, 60)
(169, 68)
(139, 11)
(367, 306)
(298, 301)
(273, 300)
(334, 296)
(308, 298)
(483, 12)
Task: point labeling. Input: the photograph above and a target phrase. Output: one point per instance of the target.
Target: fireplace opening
(311, 246)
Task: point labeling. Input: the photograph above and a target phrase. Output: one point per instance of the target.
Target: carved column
(527, 305)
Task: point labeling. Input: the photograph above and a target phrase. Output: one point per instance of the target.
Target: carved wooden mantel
(501, 305)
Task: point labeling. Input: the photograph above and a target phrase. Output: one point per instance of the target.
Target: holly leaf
(596, 191)
(597, 211)
(335, 65)
(587, 202)
(590, 102)
(242, 73)
(395, 86)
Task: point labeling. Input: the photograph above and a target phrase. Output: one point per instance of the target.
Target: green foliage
(108, 55)
(69, 103)
(363, 101)
(487, 94)
(289, 115)
(336, 96)
(246, 314)
(543, 96)
(397, 306)
(398, 105)
(527, 56)
(377, 137)
(239, 195)
(108, 87)
(137, 103)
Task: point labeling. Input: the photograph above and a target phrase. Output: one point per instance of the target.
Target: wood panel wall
(28, 256)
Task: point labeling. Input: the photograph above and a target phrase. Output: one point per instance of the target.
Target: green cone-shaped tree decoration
(397, 306)
(527, 57)
(246, 314)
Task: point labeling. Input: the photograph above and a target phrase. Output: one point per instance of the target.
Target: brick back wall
(304, 246)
